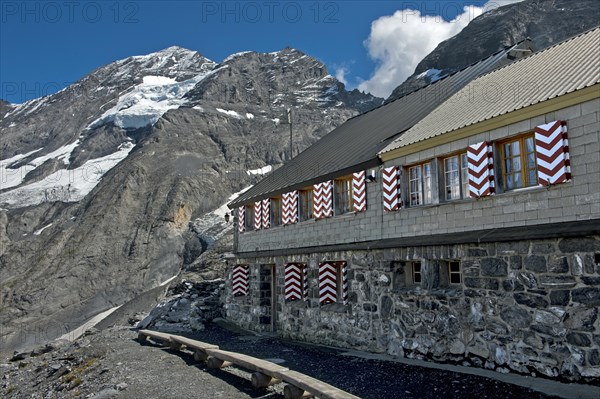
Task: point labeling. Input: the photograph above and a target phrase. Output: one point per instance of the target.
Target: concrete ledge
(517, 233)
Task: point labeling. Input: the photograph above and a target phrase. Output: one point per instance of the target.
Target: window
(343, 196)
(416, 272)
(420, 184)
(454, 274)
(305, 203)
(456, 177)
(275, 212)
(249, 217)
(412, 270)
(518, 163)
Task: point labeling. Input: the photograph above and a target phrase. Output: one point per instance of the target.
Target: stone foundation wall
(252, 311)
(529, 307)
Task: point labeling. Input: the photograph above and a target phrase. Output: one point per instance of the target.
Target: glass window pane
(516, 163)
(529, 144)
(427, 170)
(454, 266)
(516, 148)
(518, 180)
(427, 183)
(455, 278)
(465, 175)
(531, 161)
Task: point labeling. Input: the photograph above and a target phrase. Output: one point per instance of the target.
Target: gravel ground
(366, 378)
(112, 364)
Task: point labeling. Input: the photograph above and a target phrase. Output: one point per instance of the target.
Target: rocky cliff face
(546, 22)
(101, 180)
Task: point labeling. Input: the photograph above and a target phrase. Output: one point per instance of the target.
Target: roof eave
(373, 162)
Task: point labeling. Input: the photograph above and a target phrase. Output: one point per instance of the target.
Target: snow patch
(232, 56)
(167, 281)
(249, 115)
(78, 332)
(276, 121)
(13, 177)
(261, 171)
(63, 153)
(433, 75)
(229, 112)
(213, 225)
(66, 185)
(223, 209)
(158, 80)
(148, 101)
(38, 232)
(297, 59)
(12, 124)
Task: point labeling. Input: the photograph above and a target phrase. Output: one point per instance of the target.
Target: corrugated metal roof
(354, 145)
(568, 66)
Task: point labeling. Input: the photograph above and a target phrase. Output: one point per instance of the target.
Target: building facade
(475, 240)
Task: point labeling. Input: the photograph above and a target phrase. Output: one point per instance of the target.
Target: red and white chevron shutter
(295, 281)
(323, 200)
(552, 152)
(290, 207)
(241, 219)
(391, 188)
(359, 191)
(481, 169)
(329, 273)
(258, 215)
(344, 272)
(239, 279)
(266, 213)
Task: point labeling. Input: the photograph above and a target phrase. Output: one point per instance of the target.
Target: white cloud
(400, 41)
(340, 74)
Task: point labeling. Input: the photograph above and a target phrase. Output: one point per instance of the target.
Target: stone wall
(529, 307)
(252, 311)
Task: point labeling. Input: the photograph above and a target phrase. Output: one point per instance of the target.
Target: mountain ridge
(102, 179)
(545, 22)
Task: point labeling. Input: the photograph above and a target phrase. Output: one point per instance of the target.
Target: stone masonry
(526, 307)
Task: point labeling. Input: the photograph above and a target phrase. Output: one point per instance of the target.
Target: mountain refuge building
(458, 223)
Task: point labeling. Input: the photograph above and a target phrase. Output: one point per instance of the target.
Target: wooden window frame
(414, 272)
(308, 193)
(421, 182)
(463, 175)
(276, 211)
(454, 273)
(524, 169)
(249, 217)
(347, 195)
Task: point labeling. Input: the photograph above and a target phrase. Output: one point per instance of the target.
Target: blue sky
(46, 45)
